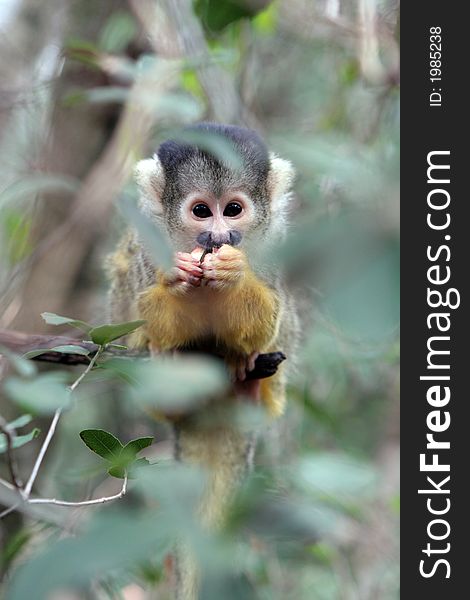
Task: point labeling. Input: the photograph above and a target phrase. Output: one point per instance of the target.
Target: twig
(9, 437)
(7, 484)
(94, 502)
(42, 452)
(52, 428)
(9, 510)
(102, 500)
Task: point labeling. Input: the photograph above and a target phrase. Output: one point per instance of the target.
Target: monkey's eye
(202, 211)
(233, 209)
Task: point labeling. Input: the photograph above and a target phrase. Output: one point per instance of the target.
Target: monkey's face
(200, 201)
(209, 221)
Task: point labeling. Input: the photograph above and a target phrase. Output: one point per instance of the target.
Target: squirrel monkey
(218, 296)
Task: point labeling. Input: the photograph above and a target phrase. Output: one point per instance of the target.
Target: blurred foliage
(318, 519)
(216, 16)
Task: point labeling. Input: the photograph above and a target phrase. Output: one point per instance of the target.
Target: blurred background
(86, 89)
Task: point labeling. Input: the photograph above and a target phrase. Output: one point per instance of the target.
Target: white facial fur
(151, 181)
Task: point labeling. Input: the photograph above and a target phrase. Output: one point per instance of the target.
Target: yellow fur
(242, 318)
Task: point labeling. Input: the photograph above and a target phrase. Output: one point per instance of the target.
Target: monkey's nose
(209, 240)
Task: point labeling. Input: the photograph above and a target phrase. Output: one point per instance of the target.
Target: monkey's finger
(189, 277)
(177, 275)
(251, 361)
(186, 258)
(189, 267)
(219, 269)
(227, 252)
(183, 256)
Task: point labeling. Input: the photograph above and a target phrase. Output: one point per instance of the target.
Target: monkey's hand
(186, 274)
(224, 268)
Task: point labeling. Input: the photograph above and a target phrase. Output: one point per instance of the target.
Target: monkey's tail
(225, 453)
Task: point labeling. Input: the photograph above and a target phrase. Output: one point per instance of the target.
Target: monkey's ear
(150, 178)
(280, 179)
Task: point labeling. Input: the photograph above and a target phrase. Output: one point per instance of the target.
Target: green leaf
(17, 226)
(35, 184)
(18, 440)
(218, 14)
(14, 545)
(23, 367)
(213, 143)
(107, 94)
(107, 333)
(175, 385)
(102, 443)
(265, 22)
(112, 541)
(120, 471)
(119, 31)
(66, 349)
(20, 422)
(71, 349)
(135, 446)
(127, 459)
(141, 462)
(53, 319)
(122, 458)
(42, 395)
(37, 352)
(336, 476)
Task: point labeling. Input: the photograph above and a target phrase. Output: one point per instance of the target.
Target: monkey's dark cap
(246, 143)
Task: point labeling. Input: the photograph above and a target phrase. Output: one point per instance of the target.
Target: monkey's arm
(226, 301)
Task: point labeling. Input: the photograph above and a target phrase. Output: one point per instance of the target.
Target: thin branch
(93, 502)
(9, 510)
(42, 452)
(52, 428)
(7, 484)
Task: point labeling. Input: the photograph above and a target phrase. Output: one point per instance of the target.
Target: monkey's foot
(244, 365)
(266, 365)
